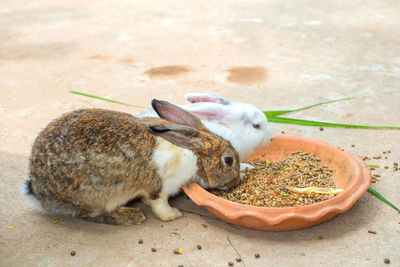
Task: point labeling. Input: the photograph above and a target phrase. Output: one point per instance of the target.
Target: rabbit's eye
(228, 161)
(257, 126)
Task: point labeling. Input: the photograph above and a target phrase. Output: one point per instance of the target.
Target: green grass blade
(105, 99)
(284, 120)
(280, 112)
(380, 197)
(272, 116)
(237, 252)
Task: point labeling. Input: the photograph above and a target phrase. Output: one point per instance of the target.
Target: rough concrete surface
(274, 54)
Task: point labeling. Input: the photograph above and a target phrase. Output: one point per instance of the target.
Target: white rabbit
(244, 125)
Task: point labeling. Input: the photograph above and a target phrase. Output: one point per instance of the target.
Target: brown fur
(90, 162)
(211, 167)
(87, 158)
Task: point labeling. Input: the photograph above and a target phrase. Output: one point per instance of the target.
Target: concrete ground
(274, 54)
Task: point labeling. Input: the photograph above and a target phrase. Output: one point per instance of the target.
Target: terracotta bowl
(350, 174)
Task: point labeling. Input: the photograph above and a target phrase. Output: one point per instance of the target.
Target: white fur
(231, 120)
(239, 118)
(175, 165)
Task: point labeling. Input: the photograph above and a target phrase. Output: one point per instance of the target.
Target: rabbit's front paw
(171, 215)
(244, 167)
(163, 210)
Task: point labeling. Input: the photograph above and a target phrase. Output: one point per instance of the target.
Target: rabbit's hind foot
(121, 216)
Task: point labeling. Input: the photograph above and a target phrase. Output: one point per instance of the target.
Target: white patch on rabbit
(176, 165)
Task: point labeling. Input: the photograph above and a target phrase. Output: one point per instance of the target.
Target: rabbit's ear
(216, 112)
(176, 114)
(203, 97)
(180, 135)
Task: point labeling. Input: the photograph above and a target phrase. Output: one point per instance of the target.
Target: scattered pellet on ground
(257, 255)
(178, 251)
(140, 241)
(73, 253)
(238, 259)
(230, 263)
(395, 166)
(372, 232)
(153, 249)
(321, 128)
(386, 260)
(198, 246)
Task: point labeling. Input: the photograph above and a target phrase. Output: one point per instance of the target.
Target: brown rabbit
(89, 163)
